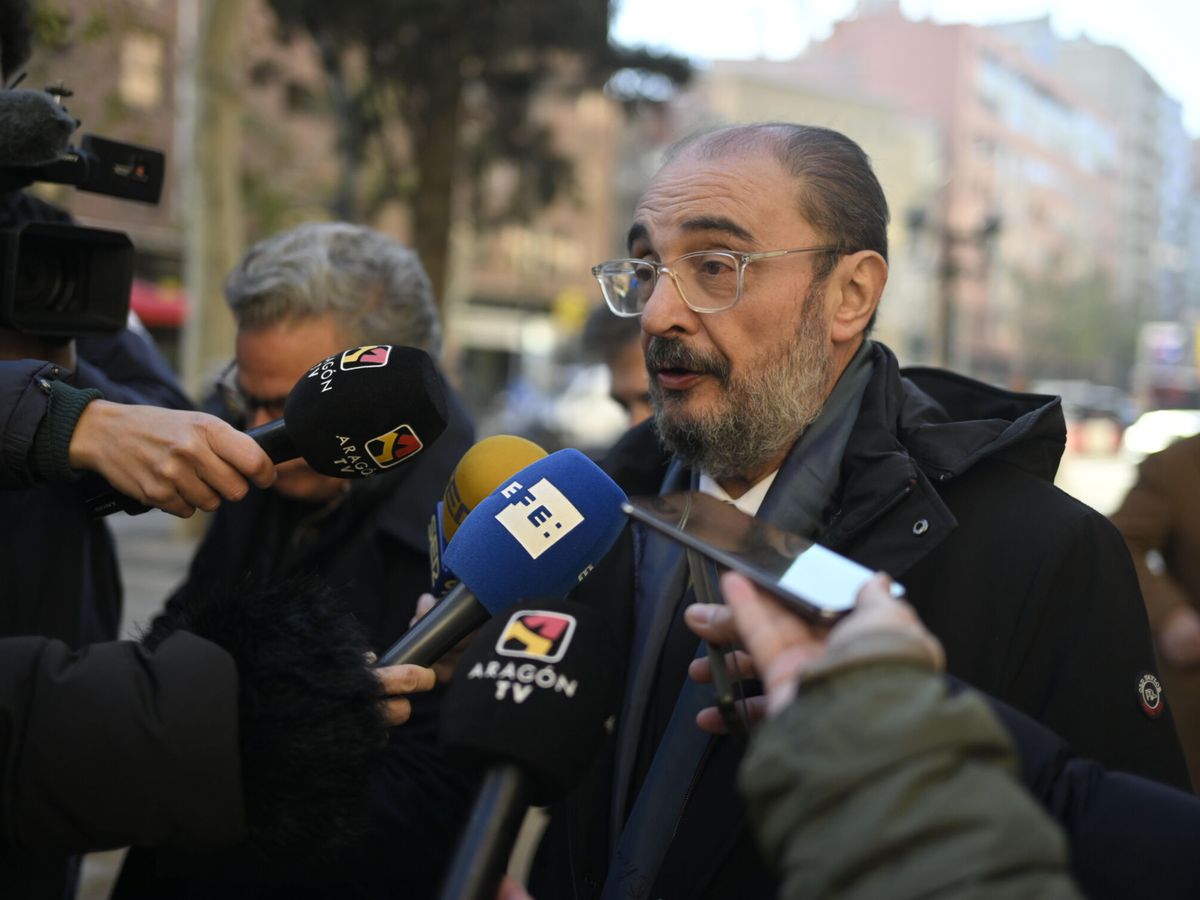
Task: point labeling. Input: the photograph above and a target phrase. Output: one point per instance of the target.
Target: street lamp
(950, 268)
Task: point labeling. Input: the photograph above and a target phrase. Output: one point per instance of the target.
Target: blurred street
(1098, 479)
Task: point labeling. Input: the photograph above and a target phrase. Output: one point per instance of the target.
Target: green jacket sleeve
(876, 782)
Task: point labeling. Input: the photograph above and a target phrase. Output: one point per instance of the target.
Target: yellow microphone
(481, 470)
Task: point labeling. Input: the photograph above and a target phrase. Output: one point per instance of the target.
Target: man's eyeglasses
(708, 280)
(244, 405)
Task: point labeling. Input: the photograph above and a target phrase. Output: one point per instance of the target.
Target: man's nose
(665, 310)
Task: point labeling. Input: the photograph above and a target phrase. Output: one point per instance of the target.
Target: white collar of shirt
(749, 502)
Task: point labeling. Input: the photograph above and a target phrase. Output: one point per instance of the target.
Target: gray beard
(761, 414)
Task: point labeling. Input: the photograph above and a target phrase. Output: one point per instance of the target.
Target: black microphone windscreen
(366, 409)
(34, 130)
(536, 688)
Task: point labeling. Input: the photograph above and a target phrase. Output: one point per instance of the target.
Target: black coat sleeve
(116, 745)
(1129, 836)
(22, 406)
(1094, 644)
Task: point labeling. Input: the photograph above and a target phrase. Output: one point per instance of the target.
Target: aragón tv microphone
(482, 469)
(355, 414)
(529, 706)
(536, 536)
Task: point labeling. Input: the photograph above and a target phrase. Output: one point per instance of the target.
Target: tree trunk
(435, 148)
(211, 174)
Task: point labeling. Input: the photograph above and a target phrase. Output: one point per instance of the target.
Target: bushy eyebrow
(700, 223)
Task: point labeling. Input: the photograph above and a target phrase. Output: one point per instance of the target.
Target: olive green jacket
(877, 782)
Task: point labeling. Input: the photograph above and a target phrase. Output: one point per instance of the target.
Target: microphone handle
(489, 835)
(442, 627)
(273, 437)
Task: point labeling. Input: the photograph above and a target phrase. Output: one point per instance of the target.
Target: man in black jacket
(757, 259)
(299, 297)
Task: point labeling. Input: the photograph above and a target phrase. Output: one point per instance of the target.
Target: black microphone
(353, 415)
(537, 535)
(530, 704)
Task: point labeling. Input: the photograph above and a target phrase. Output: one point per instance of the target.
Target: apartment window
(141, 81)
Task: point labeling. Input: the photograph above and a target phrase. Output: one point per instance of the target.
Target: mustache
(662, 353)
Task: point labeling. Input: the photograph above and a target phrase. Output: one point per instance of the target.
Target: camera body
(60, 280)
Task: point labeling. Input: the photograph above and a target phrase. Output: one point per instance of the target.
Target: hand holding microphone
(537, 535)
(176, 460)
(353, 415)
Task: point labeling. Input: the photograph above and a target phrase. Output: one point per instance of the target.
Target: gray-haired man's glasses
(242, 405)
(708, 280)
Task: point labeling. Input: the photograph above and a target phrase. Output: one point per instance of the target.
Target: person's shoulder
(1183, 453)
(1008, 493)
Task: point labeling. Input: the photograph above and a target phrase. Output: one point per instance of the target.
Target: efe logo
(372, 355)
(537, 634)
(394, 446)
(539, 517)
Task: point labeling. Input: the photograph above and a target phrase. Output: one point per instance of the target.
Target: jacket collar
(919, 429)
(916, 429)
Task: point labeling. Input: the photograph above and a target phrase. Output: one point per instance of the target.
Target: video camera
(59, 280)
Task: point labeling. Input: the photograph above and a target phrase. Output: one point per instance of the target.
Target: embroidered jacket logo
(372, 355)
(538, 517)
(537, 634)
(1150, 695)
(393, 447)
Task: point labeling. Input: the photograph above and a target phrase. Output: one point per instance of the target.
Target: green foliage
(51, 25)
(458, 76)
(96, 27)
(1076, 329)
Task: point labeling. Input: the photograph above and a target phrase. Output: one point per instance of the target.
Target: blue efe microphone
(536, 536)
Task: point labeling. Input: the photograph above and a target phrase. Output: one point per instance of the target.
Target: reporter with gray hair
(298, 297)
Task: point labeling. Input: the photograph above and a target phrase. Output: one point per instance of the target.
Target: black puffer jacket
(946, 484)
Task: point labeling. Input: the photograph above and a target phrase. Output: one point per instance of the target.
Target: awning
(158, 306)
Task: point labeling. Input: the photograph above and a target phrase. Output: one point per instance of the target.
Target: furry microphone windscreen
(540, 533)
(309, 708)
(366, 409)
(537, 689)
(34, 130)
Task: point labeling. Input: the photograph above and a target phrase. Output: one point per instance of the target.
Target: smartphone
(815, 582)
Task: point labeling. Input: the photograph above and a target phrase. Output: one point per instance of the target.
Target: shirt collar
(749, 502)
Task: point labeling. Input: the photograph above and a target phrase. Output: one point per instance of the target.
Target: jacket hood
(949, 423)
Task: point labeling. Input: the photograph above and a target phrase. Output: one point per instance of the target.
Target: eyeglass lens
(706, 280)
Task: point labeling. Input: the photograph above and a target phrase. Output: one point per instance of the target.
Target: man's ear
(858, 284)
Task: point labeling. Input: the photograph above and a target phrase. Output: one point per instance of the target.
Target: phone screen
(814, 581)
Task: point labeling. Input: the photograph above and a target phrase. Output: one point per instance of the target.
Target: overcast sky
(1160, 34)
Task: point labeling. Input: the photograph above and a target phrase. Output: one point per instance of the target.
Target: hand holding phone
(813, 581)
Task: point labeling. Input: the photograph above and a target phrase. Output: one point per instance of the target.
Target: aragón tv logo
(541, 638)
(370, 356)
(393, 446)
(537, 634)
